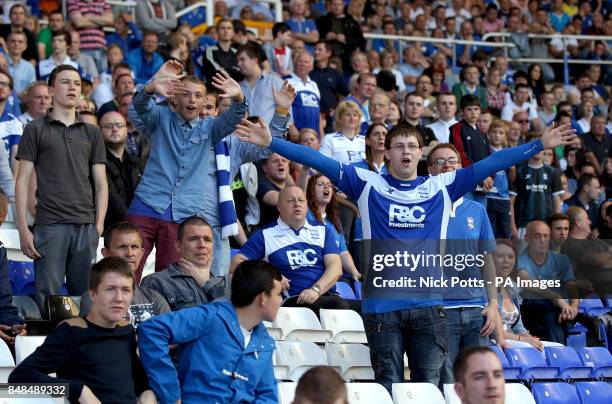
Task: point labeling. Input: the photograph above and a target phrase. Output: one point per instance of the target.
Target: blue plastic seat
(593, 306)
(593, 392)
(357, 287)
(554, 393)
(345, 291)
(568, 361)
(532, 364)
(510, 373)
(21, 276)
(598, 358)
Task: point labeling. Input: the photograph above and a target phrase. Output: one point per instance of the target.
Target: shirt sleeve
(566, 273)
(330, 246)
(255, 247)
(464, 180)
(51, 356)
(98, 150)
(154, 336)
(557, 187)
(28, 145)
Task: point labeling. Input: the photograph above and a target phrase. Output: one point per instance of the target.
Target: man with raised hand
(404, 207)
(178, 180)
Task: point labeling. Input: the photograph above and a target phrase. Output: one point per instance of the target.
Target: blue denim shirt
(181, 170)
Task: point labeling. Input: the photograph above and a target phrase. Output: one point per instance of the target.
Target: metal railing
(210, 10)
(448, 41)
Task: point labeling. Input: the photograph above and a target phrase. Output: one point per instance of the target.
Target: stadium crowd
(265, 167)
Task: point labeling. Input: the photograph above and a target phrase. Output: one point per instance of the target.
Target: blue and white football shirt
(298, 254)
(343, 149)
(306, 105)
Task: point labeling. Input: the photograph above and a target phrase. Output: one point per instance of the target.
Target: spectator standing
(470, 84)
(38, 102)
(157, 16)
(597, 142)
(255, 297)
(498, 199)
(306, 106)
(127, 34)
(123, 84)
(123, 171)
(18, 15)
(547, 111)
(23, 72)
(56, 22)
(278, 51)
(329, 81)
(587, 197)
(60, 43)
(66, 230)
(123, 240)
(10, 126)
(85, 351)
(446, 105)
(303, 28)
(145, 60)
(341, 30)
(178, 178)
(521, 103)
(534, 194)
(89, 17)
(256, 84)
(364, 88)
(222, 56)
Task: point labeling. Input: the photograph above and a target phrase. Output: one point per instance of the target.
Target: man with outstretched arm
(401, 206)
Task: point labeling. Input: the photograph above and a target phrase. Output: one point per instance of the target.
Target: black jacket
(123, 177)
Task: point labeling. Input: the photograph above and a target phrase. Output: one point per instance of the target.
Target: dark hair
(251, 278)
(330, 209)
(11, 83)
(556, 217)
(469, 66)
(64, 33)
(461, 362)
(121, 227)
(121, 76)
(222, 20)
(121, 65)
(107, 265)
(58, 70)
(321, 385)
(443, 146)
(191, 221)
(368, 148)
(280, 28)
(327, 45)
(518, 74)
(403, 129)
(470, 100)
(149, 33)
(252, 50)
(584, 180)
(519, 86)
(18, 5)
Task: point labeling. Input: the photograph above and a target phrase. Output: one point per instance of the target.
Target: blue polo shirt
(298, 254)
(556, 267)
(469, 232)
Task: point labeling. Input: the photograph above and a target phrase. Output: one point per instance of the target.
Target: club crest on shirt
(470, 223)
(314, 234)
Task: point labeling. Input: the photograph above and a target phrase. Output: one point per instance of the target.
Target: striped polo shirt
(91, 38)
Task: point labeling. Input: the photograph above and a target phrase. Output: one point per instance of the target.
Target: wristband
(282, 111)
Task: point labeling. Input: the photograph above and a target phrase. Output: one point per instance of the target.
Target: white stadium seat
(274, 332)
(300, 324)
(281, 372)
(301, 356)
(25, 346)
(7, 364)
(286, 392)
(367, 393)
(450, 396)
(417, 393)
(10, 239)
(346, 326)
(518, 393)
(352, 359)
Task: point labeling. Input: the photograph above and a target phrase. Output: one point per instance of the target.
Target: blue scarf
(227, 211)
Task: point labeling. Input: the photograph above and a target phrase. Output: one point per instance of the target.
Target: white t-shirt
(511, 108)
(442, 129)
(247, 336)
(343, 149)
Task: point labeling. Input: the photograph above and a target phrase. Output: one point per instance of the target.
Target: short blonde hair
(344, 108)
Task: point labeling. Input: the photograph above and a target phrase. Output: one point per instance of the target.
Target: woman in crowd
(395, 114)
(178, 48)
(496, 98)
(536, 80)
(387, 62)
(322, 205)
(375, 149)
(301, 174)
(515, 333)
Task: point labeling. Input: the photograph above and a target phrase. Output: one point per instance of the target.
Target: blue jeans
(463, 326)
(221, 253)
(418, 332)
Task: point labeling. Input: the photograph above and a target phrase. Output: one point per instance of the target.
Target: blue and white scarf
(227, 210)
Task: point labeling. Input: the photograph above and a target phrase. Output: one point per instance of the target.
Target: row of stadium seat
(560, 362)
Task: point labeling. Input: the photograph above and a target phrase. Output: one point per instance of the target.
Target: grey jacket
(182, 291)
